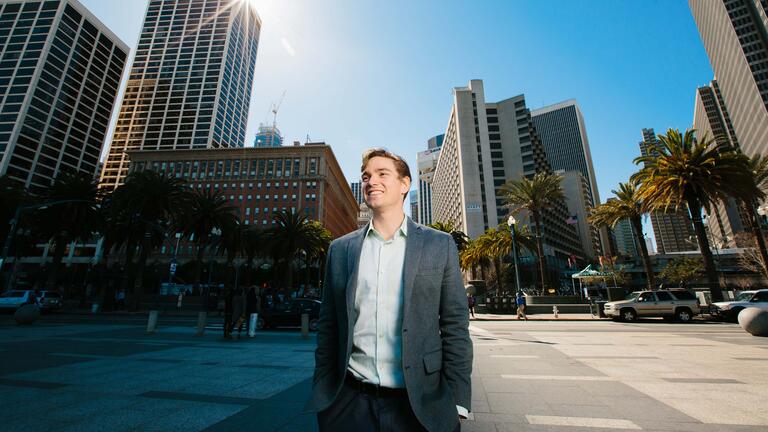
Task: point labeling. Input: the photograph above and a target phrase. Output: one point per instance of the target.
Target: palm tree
(146, 206)
(534, 195)
(758, 169)
(461, 239)
(208, 212)
(320, 240)
(627, 205)
(292, 233)
(73, 214)
(682, 171)
(12, 195)
(254, 245)
(496, 243)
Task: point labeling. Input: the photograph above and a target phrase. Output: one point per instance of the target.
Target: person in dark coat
(228, 310)
(238, 310)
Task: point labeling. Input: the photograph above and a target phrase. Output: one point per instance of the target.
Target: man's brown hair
(400, 165)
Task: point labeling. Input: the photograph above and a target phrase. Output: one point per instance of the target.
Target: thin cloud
(288, 48)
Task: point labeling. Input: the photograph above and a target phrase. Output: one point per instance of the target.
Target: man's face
(381, 185)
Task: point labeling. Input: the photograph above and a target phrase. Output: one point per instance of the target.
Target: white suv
(12, 300)
(729, 310)
(679, 304)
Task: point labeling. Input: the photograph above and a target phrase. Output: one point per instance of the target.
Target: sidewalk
(536, 317)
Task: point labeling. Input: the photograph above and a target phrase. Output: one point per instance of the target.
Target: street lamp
(512, 222)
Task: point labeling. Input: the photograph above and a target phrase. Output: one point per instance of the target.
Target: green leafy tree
(682, 271)
(684, 172)
(627, 205)
(534, 195)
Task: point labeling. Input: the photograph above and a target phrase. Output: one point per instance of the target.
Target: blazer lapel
(413, 246)
(354, 247)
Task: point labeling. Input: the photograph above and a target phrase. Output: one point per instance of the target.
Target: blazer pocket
(433, 361)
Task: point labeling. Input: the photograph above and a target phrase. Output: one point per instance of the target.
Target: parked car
(729, 310)
(678, 304)
(49, 300)
(288, 314)
(12, 300)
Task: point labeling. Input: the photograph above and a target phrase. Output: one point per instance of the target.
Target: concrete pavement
(528, 376)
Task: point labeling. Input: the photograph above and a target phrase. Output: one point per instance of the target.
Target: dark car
(49, 300)
(288, 314)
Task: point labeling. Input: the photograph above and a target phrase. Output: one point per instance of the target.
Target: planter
(754, 321)
(27, 314)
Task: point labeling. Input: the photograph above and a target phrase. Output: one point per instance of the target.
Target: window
(664, 296)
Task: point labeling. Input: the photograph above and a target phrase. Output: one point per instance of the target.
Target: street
(81, 373)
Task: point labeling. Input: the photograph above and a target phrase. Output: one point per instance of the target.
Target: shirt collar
(403, 230)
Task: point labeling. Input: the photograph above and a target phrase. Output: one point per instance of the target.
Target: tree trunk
(198, 266)
(694, 209)
(499, 276)
(757, 230)
(637, 226)
(138, 282)
(540, 252)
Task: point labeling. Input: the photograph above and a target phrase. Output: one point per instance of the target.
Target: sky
(363, 73)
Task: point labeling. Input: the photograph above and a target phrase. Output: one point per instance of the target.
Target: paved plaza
(71, 373)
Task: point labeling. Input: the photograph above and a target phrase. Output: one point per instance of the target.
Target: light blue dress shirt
(377, 336)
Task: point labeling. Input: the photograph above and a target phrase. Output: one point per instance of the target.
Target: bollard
(554, 311)
(152, 322)
(201, 317)
(252, 325)
(305, 326)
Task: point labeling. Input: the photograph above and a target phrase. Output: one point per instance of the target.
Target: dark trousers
(355, 410)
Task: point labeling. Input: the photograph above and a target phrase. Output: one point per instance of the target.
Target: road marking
(514, 356)
(560, 377)
(581, 422)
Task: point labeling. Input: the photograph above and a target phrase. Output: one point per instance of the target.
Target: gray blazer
(436, 352)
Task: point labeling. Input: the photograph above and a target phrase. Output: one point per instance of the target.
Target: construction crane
(275, 109)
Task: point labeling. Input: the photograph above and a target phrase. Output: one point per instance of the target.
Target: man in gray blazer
(393, 347)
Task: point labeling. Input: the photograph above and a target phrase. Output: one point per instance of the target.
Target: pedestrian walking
(238, 309)
(520, 302)
(120, 299)
(471, 304)
(228, 310)
(252, 303)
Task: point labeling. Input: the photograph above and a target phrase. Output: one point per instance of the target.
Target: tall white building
(190, 83)
(59, 78)
(485, 145)
(426, 162)
(563, 135)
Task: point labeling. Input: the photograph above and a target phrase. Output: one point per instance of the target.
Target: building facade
(578, 199)
(672, 230)
(59, 77)
(426, 161)
(711, 119)
(263, 181)
(190, 83)
(357, 191)
(563, 135)
(735, 36)
(414, 199)
(485, 145)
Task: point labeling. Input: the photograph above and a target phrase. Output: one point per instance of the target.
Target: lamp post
(512, 223)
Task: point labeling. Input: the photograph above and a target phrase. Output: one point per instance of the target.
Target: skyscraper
(268, 136)
(59, 77)
(711, 118)
(357, 191)
(564, 138)
(578, 200)
(190, 83)
(673, 230)
(735, 36)
(485, 145)
(426, 161)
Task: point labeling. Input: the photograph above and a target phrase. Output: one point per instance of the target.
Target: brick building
(264, 180)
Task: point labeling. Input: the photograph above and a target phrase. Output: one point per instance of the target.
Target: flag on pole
(572, 220)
